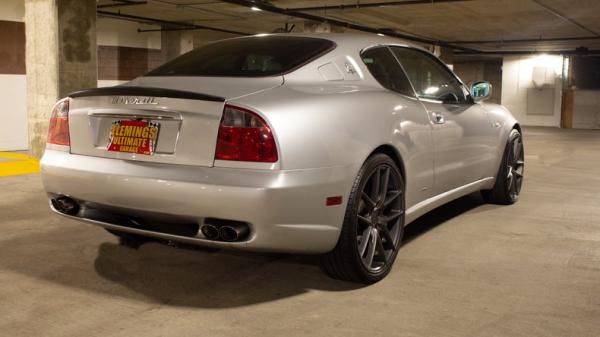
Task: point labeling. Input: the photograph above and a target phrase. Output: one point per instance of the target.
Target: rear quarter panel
(341, 125)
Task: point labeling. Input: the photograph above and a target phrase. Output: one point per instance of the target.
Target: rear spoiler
(145, 91)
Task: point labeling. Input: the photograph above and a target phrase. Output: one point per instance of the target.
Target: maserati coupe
(324, 144)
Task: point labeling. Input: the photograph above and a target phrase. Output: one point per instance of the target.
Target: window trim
(469, 98)
(415, 96)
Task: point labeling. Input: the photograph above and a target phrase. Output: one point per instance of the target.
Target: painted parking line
(14, 164)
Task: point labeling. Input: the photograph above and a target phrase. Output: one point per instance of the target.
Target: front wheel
(509, 180)
(373, 224)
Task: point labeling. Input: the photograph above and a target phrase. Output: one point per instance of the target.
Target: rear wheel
(508, 184)
(373, 224)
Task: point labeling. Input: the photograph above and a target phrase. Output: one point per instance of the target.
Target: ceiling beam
(169, 23)
(509, 41)
(578, 51)
(298, 14)
(564, 17)
(373, 4)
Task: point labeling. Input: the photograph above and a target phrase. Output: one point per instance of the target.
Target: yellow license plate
(133, 136)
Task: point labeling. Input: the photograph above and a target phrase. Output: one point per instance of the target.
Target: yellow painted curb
(19, 164)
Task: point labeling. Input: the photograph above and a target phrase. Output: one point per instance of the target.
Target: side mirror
(480, 91)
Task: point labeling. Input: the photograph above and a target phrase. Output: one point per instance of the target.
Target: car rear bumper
(285, 209)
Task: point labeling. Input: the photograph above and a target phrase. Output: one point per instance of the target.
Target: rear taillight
(58, 133)
(245, 136)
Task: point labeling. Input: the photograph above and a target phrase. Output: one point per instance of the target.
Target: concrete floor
(467, 269)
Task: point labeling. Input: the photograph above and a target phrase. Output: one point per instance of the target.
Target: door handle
(438, 118)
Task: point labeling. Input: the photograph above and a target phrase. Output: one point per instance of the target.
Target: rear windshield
(246, 57)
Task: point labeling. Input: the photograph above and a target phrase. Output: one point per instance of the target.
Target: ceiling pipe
(374, 4)
(297, 14)
(122, 3)
(166, 29)
(171, 23)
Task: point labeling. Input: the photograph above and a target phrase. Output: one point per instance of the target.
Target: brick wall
(12, 47)
(126, 63)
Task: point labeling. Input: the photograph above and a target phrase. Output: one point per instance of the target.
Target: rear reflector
(58, 132)
(332, 201)
(245, 136)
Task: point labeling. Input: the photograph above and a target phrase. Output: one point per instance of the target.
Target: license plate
(133, 136)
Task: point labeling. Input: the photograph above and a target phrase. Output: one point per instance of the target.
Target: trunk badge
(130, 100)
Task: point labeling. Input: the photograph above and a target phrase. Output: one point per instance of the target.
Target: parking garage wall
(586, 109)
(123, 52)
(532, 88)
(471, 71)
(585, 85)
(13, 128)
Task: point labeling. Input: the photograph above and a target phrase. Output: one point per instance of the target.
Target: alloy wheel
(380, 218)
(515, 169)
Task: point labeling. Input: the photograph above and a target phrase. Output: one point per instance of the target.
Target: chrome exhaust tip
(211, 232)
(232, 233)
(66, 205)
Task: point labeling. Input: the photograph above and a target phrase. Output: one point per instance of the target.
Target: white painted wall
(13, 113)
(109, 83)
(12, 10)
(112, 32)
(518, 75)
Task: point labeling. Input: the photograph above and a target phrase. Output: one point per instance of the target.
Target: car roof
(352, 40)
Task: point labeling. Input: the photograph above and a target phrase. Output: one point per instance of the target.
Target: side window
(429, 77)
(386, 70)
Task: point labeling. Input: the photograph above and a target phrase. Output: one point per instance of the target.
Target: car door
(414, 133)
(462, 134)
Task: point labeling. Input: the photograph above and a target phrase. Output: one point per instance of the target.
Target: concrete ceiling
(455, 21)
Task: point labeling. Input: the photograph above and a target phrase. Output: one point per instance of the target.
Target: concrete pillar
(78, 66)
(41, 59)
(60, 58)
(175, 42)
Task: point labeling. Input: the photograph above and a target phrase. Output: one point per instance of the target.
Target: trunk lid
(157, 119)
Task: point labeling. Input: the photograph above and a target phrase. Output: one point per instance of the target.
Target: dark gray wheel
(509, 180)
(373, 224)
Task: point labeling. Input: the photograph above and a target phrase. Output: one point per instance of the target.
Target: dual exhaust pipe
(218, 229)
(230, 232)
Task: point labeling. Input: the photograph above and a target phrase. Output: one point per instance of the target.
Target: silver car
(318, 144)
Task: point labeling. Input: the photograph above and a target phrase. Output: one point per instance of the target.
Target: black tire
(372, 225)
(128, 239)
(510, 176)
